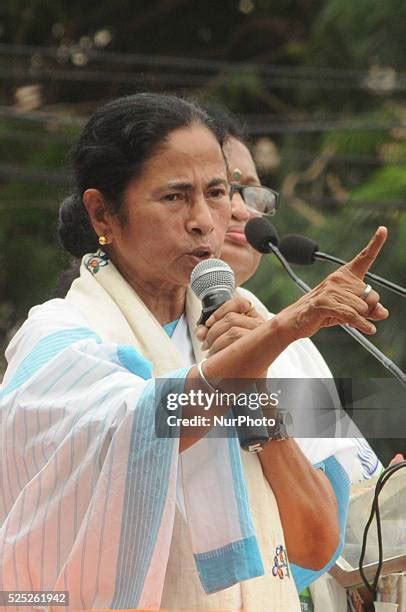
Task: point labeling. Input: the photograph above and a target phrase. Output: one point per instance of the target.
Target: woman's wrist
(280, 330)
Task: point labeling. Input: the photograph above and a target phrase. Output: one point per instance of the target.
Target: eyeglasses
(262, 200)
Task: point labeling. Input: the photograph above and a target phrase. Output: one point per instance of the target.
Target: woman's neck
(167, 303)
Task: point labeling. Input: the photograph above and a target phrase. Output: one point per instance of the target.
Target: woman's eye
(174, 197)
(217, 193)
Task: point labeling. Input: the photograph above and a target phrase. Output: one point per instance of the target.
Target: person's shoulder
(55, 309)
(51, 317)
(54, 315)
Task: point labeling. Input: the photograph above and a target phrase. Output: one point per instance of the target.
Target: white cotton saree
(88, 490)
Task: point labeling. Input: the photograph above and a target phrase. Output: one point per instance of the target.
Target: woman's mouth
(204, 252)
(236, 236)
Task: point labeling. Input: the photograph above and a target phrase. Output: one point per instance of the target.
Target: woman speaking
(93, 501)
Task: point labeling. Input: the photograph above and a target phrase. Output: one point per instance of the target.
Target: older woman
(94, 501)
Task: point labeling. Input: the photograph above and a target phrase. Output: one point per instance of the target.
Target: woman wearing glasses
(249, 199)
(301, 359)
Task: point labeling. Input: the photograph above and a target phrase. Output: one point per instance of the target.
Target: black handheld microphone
(260, 234)
(303, 251)
(213, 283)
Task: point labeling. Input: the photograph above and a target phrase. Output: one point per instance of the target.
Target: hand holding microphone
(225, 317)
(228, 323)
(213, 282)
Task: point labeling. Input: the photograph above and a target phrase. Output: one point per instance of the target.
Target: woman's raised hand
(339, 298)
(336, 300)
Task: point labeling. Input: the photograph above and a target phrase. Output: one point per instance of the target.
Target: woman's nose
(200, 220)
(239, 209)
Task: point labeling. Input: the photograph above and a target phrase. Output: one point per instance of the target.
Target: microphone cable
(375, 512)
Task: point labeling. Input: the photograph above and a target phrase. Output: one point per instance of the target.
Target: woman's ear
(98, 212)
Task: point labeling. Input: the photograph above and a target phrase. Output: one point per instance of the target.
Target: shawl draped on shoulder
(88, 489)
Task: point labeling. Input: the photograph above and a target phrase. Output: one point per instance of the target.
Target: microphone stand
(383, 282)
(371, 348)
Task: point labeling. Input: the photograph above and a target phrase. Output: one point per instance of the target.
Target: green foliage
(351, 34)
(237, 91)
(387, 183)
(355, 142)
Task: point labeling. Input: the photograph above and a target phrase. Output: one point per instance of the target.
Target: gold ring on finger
(250, 309)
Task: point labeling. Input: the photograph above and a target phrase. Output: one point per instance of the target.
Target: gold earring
(103, 240)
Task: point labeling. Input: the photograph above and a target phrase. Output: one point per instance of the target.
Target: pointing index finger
(364, 260)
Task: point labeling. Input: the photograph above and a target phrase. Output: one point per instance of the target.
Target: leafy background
(320, 86)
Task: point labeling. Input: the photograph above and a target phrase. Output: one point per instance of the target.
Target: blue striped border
(240, 488)
(147, 482)
(43, 352)
(221, 568)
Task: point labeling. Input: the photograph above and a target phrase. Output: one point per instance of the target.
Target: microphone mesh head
(298, 249)
(259, 233)
(212, 274)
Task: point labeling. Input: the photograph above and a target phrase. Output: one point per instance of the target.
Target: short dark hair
(114, 146)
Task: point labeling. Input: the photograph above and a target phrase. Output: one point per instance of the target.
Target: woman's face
(177, 212)
(236, 251)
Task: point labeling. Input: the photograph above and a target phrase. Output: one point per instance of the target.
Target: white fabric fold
(88, 489)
